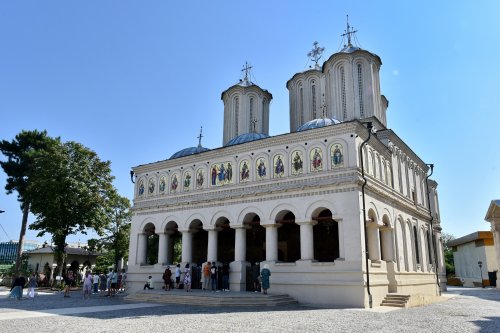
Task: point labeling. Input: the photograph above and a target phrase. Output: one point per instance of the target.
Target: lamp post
(480, 263)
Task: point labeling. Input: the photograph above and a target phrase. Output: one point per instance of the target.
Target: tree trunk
(22, 235)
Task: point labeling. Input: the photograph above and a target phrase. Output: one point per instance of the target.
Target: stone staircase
(208, 298)
(396, 300)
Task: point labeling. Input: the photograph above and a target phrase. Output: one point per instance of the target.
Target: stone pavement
(466, 310)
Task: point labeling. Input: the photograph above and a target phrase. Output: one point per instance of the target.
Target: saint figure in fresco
(279, 167)
(151, 187)
(261, 169)
(214, 175)
(141, 188)
(229, 172)
(245, 171)
(317, 161)
(175, 183)
(222, 173)
(199, 179)
(337, 157)
(187, 180)
(163, 184)
(297, 162)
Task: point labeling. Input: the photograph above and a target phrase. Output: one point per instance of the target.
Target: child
(149, 283)
(187, 280)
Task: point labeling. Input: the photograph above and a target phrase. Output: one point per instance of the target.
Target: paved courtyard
(464, 310)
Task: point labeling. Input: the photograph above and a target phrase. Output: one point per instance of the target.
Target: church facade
(341, 209)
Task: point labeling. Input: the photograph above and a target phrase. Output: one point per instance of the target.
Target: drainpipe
(433, 240)
(369, 126)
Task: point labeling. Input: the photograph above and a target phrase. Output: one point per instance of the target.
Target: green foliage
(19, 168)
(104, 261)
(448, 253)
(152, 249)
(115, 240)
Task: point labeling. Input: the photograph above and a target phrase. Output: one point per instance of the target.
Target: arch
(316, 207)
(386, 234)
(152, 244)
(279, 211)
(243, 216)
(141, 187)
(152, 186)
(195, 216)
(199, 242)
(225, 240)
(168, 220)
(220, 214)
(326, 243)
(173, 241)
(148, 220)
(288, 236)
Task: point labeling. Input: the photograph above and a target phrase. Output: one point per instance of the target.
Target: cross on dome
(200, 136)
(315, 54)
(348, 32)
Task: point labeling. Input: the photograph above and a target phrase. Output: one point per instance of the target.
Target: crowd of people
(99, 283)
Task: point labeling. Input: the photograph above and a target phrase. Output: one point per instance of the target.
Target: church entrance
(255, 249)
(225, 241)
(288, 238)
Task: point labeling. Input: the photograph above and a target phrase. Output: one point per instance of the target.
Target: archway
(326, 237)
(152, 241)
(199, 243)
(225, 240)
(255, 248)
(174, 250)
(288, 237)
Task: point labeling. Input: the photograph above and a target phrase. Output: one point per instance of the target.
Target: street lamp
(480, 263)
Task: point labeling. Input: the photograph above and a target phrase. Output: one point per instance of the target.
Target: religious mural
(337, 153)
(163, 184)
(260, 165)
(221, 174)
(187, 181)
(297, 162)
(200, 179)
(174, 184)
(244, 171)
(151, 186)
(316, 157)
(279, 167)
(141, 188)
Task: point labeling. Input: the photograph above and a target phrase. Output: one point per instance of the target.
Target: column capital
(274, 225)
(306, 222)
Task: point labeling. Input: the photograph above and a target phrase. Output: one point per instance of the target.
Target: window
(313, 90)
(342, 87)
(251, 114)
(417, 254)
(300, 112)
(236, 112)
(360, 92)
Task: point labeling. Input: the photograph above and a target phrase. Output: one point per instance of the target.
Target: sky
(135, 80)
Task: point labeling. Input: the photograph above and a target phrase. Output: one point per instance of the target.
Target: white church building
(341, 209)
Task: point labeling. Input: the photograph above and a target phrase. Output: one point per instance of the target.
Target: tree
(448, 253)
(116, 240)
(19, 169)
(70, 193)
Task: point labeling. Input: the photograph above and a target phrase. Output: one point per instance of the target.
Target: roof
(189, 151)
(493, 211)
(316, 123)
(471, 238)
(68, 250)
(246, 137)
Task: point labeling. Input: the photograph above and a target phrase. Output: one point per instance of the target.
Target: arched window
(360, 92)
(343, 93)
(417, 249)
(313, 91)
(236, 113)
(251, 115)
(300, 112)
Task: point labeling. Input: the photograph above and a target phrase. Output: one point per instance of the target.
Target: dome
(316, 123)
(188, 151)
(246, 137)
(350, 49)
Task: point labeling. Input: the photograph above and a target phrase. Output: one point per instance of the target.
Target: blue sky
(135, 80)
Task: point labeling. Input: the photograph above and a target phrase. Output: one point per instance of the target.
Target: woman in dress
(87, 285)
(265, 273)
(187, 278)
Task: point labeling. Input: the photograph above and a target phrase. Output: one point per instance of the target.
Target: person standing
(69, 281)
(213, 276)
(206, 276)
(95, 281)
(265, 273)
(255, 277)
(225, 276)
(177, 275)
(87, 285)
(167, 278)
(17, 287)
(187, 278)
(114, 282)
(32, 284)
(102, 283)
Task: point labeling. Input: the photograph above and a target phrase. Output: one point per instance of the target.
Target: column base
(237, 275)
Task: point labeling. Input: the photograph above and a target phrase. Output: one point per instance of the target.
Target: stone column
(306, 239)
(240, 243)
(141, 248)
(162, 248)
(271, 241)
(187, 246)
(212, 245)
(340, 225)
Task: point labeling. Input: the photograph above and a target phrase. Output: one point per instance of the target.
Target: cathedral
(340, 208)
